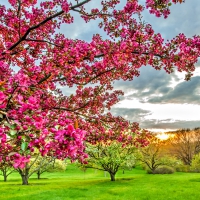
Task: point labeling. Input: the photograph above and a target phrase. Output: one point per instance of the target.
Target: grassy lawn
(93, 185)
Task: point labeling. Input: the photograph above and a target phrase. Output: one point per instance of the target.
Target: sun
(163, 136)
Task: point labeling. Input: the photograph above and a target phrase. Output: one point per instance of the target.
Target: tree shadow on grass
(125, 179)
(30, 184)
(195, 180)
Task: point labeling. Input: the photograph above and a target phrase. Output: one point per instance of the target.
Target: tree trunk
(24, 179)
(25, 175)
(153, 170)
(4, 177)
(38, 175)
(112, 176)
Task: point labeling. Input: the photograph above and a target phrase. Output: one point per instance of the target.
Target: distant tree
(115, 152)
(46, 164)
(151, 155)
(185, 144)
(6, 161)
(37, 164)
(195, 164)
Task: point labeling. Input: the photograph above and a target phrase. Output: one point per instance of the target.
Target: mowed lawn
(94, 185)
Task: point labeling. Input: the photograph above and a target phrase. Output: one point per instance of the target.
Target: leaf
(24, 146)
(12, 153)
(13, 126)
(57, 127)
(2, 88)
(13, 132)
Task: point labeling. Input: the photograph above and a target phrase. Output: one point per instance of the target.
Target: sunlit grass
(93, 185)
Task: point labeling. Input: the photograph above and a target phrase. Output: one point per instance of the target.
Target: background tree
(154, 155)
(114, 152)
(38, 164)
(195, 164)
(151, 155)
(185, 144)
(6, 161)
(46, 164)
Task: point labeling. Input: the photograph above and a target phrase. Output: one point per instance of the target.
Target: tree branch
(34, 40)
(44, 22)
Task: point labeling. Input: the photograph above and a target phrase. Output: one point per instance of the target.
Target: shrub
(195, 165)
(182, 168)
(149, 171)
(162, 170)
(58, 166)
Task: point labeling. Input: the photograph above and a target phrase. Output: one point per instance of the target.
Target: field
(94, 185)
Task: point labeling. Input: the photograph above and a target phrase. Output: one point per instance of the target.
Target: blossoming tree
(36, 59)
(114, 150)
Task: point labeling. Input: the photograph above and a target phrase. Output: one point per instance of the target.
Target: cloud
(184, 92)
(166, 126)
(138, 115)
(132, 114)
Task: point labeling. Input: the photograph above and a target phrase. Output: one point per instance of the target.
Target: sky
(156, 100)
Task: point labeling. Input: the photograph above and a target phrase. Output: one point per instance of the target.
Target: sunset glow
(163, 136)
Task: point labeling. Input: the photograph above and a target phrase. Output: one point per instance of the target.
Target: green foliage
(40, 164)
(170, 161)
(100, 155)
(182, 168)
(57, 166)
(195, 165)
(110, 156)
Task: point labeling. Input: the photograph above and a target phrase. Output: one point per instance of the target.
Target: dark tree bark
(38, 174)
(24, 179)
(112, 176)
(4, 176)
(24, 175)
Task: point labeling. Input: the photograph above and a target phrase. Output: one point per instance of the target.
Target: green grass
(93, 185)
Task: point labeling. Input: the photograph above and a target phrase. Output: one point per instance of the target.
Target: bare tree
(185, 144)
(151, 155)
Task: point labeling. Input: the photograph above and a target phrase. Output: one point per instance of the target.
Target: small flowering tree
(39, 164)
(36, 60)
(6, 161)
(115, 150)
